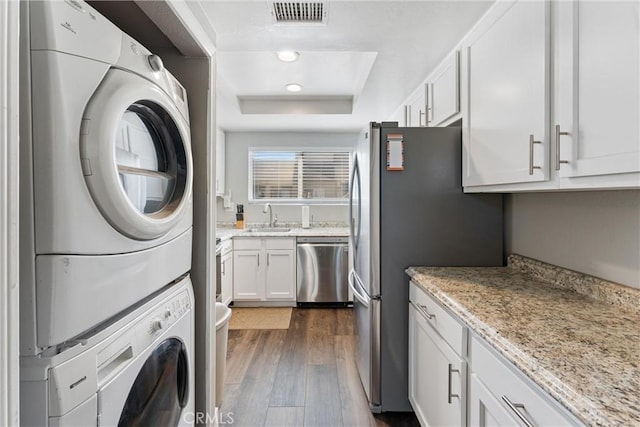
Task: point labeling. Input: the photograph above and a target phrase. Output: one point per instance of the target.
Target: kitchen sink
(268, 230)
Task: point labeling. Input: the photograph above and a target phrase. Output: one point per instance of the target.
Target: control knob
(156, 324)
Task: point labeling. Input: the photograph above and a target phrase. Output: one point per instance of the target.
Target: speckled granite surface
(227, 233)
(583, 351)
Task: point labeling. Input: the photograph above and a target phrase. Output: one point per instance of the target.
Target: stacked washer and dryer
(107, 325)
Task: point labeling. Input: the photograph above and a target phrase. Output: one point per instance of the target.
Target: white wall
(9, 371)
(237, 162)
(596, 233)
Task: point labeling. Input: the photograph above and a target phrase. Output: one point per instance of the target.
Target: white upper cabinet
(597, 89)
(536, 121)
(416, 109)
(220, 162)
(507, 77)
(443, 91)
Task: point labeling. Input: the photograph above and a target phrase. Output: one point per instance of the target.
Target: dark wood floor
(303, 376)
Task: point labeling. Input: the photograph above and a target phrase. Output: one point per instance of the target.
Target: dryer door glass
(160, 391)
(150, 158)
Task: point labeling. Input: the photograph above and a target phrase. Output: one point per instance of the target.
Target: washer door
(136, 156)
(161, 389)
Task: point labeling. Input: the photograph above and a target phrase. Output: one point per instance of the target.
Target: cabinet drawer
(505, 383)
(280, 243)
(443, 322)
(247, 243)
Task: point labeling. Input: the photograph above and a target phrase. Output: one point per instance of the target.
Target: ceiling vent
(312, 12)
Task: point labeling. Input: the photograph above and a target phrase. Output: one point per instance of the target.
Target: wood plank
(241, 348)
(344, 321)
(229, 399)
(355, 407)
(323, 405)
(285, 417)
(252, 400)
(291, 376)
(320, 332)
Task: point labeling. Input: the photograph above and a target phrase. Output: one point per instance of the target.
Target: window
(295, 176)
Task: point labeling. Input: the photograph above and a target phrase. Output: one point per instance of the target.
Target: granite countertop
(576, 336)
(228, 233)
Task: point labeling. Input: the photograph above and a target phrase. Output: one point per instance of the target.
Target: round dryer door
(160, 391)
(136, 156)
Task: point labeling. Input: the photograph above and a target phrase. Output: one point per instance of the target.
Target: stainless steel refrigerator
(410, 212)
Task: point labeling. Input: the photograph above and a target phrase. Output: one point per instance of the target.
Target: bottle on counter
(305, 217)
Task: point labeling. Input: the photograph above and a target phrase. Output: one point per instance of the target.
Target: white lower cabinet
(484, 408)
(264, 269)
(226, 273)
(435, 375)
(248, 277)
(436, 371)
(280, 275)
(500, 394)
(457, 379)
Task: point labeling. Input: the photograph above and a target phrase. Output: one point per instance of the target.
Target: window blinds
(299, 175)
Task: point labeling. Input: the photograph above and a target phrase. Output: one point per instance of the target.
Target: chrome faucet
(267, 208)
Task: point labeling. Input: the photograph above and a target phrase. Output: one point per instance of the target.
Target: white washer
(106, 172)
(138, 370)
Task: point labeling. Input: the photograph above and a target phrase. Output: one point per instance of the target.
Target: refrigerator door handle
(354, 283)
(355, 174)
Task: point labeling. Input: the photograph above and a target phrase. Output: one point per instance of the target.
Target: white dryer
(136, 371)
(106, 173)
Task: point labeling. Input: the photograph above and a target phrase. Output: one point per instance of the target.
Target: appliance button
(155, 62)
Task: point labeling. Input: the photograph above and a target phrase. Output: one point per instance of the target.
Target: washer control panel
(166, 315)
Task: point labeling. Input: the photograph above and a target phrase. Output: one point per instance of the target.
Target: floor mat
(260, 318)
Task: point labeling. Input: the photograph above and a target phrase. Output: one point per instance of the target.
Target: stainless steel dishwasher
(322, 265)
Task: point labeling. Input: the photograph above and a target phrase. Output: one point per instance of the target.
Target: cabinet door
(485, 409)
(597, 87)
(417, 108)
(443, 95)
(505, 136)
(281, 275)
(220, 162)
(435, 376)
(248, 276)
(226, 264)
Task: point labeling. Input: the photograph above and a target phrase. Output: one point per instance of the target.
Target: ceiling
(357, 67)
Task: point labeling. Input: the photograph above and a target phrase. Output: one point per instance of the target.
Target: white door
(435, 375)
(443, 91)
(248, 276)
(280, 275)
(506, 136)
(226, 274)
(136, 156)
(417, 108)
(597, 88)
(486, 410)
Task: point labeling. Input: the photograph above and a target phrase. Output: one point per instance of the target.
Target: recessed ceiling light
(288, 55)
(294, 87)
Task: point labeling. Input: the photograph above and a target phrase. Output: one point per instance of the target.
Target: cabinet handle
(515, 407)
(558, 134)
(423, 113)
(423, 309)
(531, 143)
(258, 260)
(222, 268)
(268, 260)
(449, 395)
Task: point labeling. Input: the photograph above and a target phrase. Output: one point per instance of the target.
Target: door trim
(9, 264)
